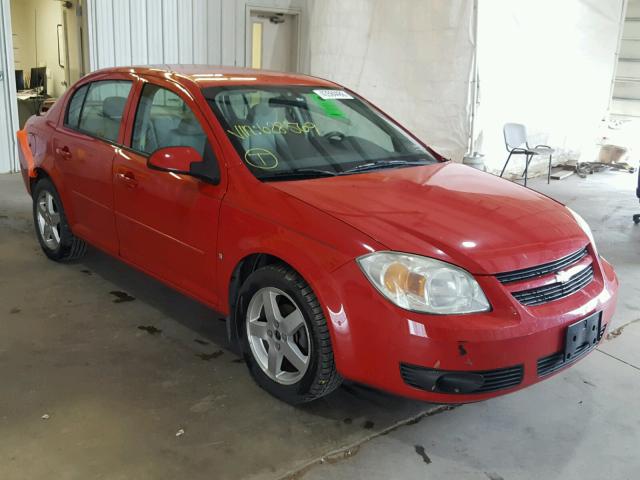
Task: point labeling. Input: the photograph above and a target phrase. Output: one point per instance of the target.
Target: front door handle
(128, 178)
(64, 153)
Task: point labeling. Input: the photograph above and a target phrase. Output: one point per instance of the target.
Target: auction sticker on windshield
(333, 94)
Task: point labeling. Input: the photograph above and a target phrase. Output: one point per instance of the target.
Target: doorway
(43, 54)
(47, 51)
(272, 40)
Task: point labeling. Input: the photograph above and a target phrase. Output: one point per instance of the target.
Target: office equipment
(19, 80)
(39, 79)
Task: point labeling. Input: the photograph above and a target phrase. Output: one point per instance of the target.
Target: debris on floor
(209, 356)
(420, 451)
(121, 297)
(150, 329)
(562, 173)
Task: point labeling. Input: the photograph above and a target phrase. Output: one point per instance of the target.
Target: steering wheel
(334, 136)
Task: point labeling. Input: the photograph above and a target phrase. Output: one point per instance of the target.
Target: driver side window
(163, 119)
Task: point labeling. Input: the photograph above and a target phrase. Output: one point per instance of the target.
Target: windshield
(295, 132)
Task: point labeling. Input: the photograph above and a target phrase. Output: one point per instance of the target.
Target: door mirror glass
(175, 159)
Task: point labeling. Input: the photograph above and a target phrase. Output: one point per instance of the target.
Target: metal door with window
(167, 223)
(273, 41)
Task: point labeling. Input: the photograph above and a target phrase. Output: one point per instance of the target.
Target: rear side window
(163, 120)
(75, 107)
(100, 113)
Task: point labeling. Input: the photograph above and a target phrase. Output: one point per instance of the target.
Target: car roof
(211, 76)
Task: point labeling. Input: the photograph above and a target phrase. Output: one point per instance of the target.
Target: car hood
(448, 211)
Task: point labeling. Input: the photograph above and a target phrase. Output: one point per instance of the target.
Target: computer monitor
(39, 78)
(19, 80)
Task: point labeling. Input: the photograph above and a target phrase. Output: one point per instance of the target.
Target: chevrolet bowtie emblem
(563, 277)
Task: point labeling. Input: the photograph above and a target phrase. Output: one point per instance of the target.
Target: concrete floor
(92, 386)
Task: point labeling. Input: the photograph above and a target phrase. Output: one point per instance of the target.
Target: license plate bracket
(582, 336)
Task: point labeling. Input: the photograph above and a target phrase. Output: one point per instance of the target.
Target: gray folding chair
(515, 139)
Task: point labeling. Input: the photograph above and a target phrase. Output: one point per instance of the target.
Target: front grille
(557, 290)
(502, 378)
(551, 363)
(490, 380)
(540, 270)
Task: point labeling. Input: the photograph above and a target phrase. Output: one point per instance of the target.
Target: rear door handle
(128, 178)
(64, 153)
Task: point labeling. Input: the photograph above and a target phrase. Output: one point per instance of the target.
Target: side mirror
(174, 159)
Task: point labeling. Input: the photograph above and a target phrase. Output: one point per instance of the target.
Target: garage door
(626, 91)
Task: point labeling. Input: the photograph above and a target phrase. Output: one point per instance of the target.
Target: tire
(300, 332)
(53, 232)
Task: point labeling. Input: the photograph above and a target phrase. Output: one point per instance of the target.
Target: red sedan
(337, 244)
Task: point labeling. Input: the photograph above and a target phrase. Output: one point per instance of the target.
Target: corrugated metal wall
(626, 91)
(133, 32)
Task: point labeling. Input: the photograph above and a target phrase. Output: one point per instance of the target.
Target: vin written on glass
(243, 131)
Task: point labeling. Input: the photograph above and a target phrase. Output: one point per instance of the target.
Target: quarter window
(102, 109)
(75, 107)
(164, 120)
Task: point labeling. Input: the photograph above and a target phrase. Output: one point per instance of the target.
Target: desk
(29, 103)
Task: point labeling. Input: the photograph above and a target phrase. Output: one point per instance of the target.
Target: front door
(167, 223)
(84, 148)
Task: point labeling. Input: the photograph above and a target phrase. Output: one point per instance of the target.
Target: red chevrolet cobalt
(338, 245)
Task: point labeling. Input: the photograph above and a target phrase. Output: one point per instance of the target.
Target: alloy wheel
(48, 217)
(278, 335)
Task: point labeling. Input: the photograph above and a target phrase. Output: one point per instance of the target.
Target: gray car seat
(188, 133)
(103, 120)
(112, 109)
(263, 115)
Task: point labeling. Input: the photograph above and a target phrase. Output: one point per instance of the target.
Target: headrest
(262, 113)
(189, 126)
(112, 107)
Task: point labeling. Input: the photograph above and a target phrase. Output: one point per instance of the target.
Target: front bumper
(377, 343)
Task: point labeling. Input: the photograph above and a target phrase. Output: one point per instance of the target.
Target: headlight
(585, 227)
(424, 284)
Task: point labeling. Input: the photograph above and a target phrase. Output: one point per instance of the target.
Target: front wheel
(285, 337)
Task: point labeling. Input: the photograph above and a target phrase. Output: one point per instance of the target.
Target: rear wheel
(285, 337)
(52, 230)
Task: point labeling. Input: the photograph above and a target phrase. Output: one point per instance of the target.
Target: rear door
(167, 223)
(85, 146)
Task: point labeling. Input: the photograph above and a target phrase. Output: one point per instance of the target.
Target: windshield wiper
(301, 173)
(379, 164)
